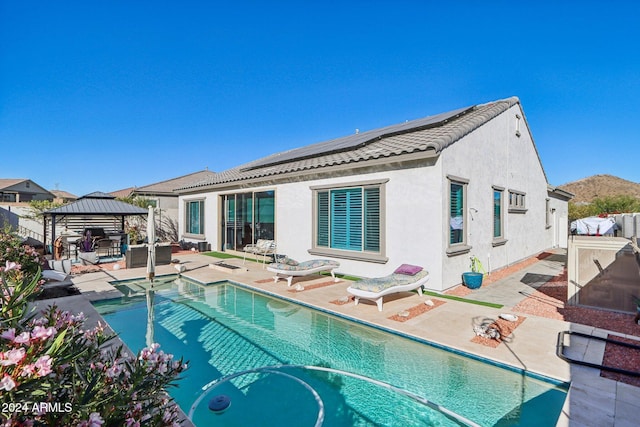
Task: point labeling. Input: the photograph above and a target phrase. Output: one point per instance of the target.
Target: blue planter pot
(472, 280)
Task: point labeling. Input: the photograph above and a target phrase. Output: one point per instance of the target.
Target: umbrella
(150, 293)
(151, 245)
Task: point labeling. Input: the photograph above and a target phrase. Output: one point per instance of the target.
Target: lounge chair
(288, 268)
(262, 247)
(58, 277)
(376, 289)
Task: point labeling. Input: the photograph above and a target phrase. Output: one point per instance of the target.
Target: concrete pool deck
(592, 400)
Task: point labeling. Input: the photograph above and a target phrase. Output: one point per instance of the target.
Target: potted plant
(473, 279)
(87, 253)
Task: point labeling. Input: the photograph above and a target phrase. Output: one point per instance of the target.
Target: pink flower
(95, 420)
(43, 365)
(7, 383)
(12, 266)
(114, 371)
(12, 357)
(42, 333)
(9, 334)
(28, 370)
(23, 338)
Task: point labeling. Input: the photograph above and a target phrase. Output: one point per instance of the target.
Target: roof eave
(560, 192)
(429, 153)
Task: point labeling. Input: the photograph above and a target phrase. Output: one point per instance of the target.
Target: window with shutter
(456, 213)
(349, 219)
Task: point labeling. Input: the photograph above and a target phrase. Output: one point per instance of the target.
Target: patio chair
(262, 247)
(289, 268)
(405, 278)
(104, 245)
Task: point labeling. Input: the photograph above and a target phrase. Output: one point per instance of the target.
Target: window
(547, 213)
(456, 213)
(497, 213)
(195, 217)
(349, 219)
(517, 202)
(498, 217)
(457, 230)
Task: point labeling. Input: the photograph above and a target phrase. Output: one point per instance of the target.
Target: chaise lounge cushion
(262, 246)
(379, 284)
(283, 259)
(303, 266)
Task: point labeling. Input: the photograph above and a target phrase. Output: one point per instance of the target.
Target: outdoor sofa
(136, 255)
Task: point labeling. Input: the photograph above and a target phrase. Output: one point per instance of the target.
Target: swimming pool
(297, 366)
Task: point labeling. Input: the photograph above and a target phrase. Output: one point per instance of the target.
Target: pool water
(307, 367)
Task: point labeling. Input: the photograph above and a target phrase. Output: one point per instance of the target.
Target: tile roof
(422, 135)
(167, 186)
(124, 193)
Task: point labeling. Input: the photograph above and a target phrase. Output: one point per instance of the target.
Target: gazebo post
(44, 234)
(53, 232)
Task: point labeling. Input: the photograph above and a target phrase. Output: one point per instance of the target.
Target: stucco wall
(494, 156)
(411, 216)
(558, 233)
(412, 212)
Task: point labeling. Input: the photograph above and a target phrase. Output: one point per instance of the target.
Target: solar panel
(357, 140)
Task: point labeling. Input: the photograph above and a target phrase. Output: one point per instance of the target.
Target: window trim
(454, 249)
(547, 213)
(367, 256)
(515, 206)
(499, 240)
(187, 234)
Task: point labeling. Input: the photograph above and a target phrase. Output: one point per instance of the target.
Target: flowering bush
(54, 372)
(12, 250)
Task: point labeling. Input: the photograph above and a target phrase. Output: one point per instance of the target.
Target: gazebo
(94, 211)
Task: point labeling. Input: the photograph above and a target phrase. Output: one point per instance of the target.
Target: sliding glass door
(247, 217)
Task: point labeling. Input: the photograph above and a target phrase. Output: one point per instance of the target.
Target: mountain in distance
(600, 186)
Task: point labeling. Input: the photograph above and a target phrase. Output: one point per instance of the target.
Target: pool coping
(616, 400)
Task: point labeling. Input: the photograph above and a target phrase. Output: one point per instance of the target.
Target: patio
(533, 291)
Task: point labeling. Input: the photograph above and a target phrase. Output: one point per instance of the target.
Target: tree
(616, 204)
(604, 205)
(39, 207)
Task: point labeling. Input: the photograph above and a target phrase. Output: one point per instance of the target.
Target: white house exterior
(162, 194)
(430, 192)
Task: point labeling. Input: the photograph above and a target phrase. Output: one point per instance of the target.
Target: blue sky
(100, 96)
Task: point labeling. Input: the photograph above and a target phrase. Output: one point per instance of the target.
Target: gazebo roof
(98, 203)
